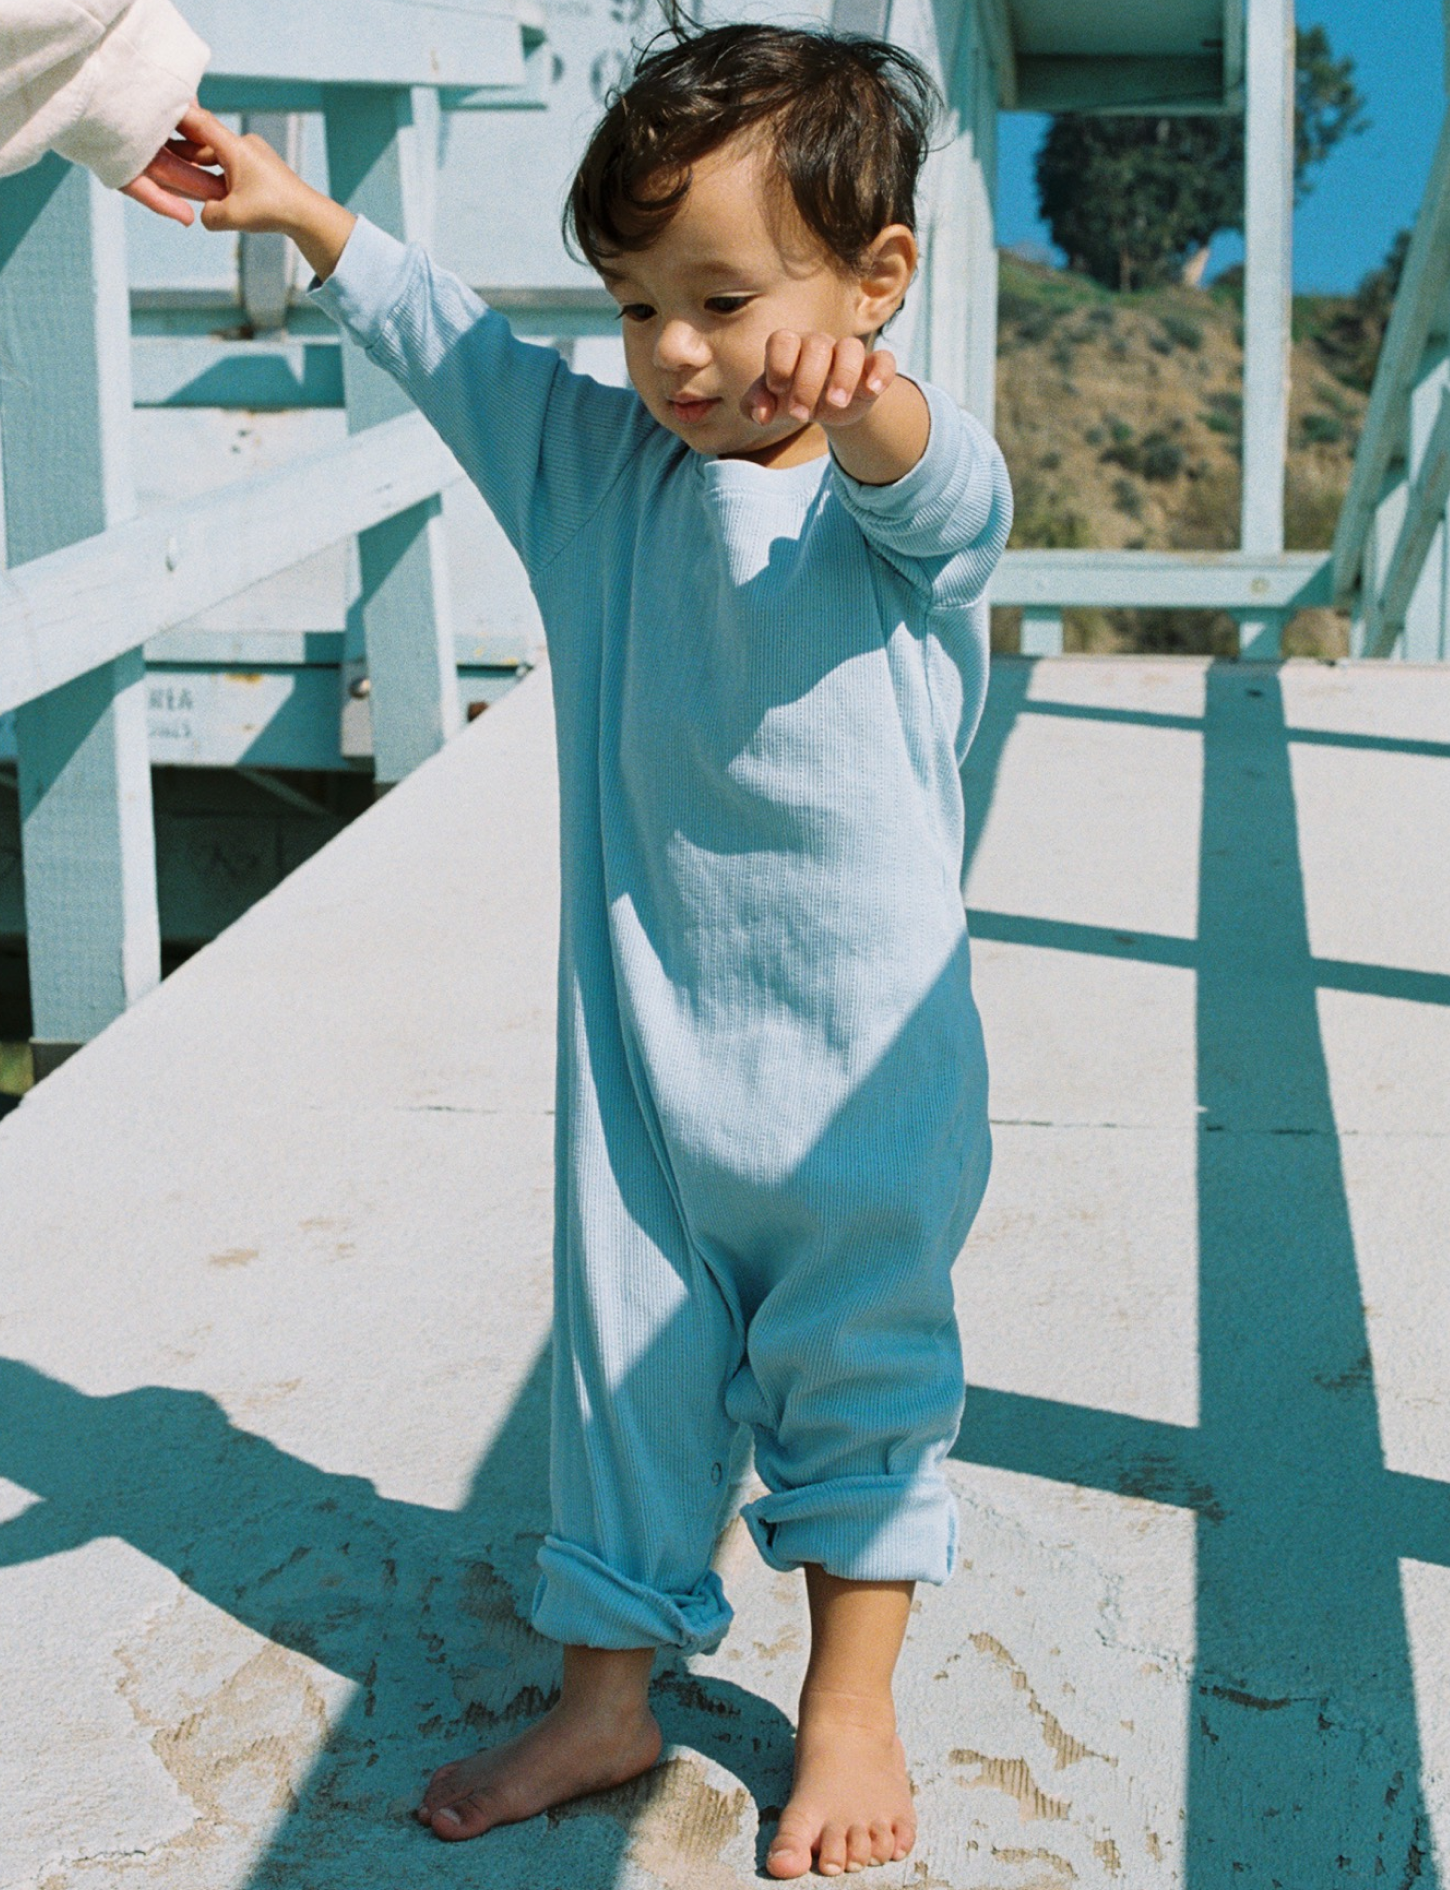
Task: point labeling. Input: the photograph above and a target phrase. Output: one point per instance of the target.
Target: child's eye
(635, 312)
(726, 304)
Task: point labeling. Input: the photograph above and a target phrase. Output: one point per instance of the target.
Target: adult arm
(102, 82)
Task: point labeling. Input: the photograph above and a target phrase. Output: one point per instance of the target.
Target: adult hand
(175, 174)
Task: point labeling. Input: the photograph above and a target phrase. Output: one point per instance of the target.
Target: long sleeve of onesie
(772, 1092)
(543, 445)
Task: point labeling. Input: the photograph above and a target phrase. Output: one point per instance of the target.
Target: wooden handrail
(1383, 439)
(64, 614)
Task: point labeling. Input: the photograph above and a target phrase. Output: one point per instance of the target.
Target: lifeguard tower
(274, 1232)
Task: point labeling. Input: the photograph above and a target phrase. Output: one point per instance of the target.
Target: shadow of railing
(1303, 1746)
(1304, 1757)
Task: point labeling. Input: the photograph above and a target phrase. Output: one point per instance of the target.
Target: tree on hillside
(1136, 201)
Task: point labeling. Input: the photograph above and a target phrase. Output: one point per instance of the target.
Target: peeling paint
(1013, 1777)
(1066, 1750)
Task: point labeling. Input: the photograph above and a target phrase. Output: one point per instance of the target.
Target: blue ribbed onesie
(772, 1093)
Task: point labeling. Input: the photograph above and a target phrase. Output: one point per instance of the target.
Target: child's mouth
(689, 411)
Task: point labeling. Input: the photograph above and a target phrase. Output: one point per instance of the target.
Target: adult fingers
(146, 192)
(187, 180)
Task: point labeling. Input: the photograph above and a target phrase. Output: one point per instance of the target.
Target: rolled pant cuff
(863, 1529)
(584, 1603)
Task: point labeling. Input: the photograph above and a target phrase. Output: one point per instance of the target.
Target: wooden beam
(1268, 289)
(1423, 286)
(65, 613)
(361, 42)
(1424, 515)
(1168, 580)
(1123, 83)
(84, 773)
(382, 167)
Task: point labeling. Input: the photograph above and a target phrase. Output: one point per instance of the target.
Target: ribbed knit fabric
(772, 1122)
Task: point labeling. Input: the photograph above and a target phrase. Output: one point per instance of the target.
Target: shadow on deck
(1301, 1755)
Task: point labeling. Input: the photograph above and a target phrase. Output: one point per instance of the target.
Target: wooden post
(960, 262)
(1268, 278)
(84, 769)
(376, 167)
(1041, 630)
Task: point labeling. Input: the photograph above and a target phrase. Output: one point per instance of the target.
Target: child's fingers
(878, 372)
(782, 351)
(808, 382)
(843, 382)
(759, 404)
(202, 127)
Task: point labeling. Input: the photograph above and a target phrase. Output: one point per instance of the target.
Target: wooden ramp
(272, 1412)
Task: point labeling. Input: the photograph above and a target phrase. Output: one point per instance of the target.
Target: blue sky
(1371, 185)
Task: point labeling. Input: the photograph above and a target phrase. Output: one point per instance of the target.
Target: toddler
(761, 574)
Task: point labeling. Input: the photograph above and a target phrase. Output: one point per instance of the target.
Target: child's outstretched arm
(264, 193)
(542, 444)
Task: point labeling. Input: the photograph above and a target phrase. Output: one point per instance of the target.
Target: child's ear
(886, 274)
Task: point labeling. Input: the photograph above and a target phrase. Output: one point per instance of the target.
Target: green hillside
(1120, 415)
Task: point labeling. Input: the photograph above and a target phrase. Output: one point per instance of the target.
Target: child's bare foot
(600, 1734)
(851, 1802)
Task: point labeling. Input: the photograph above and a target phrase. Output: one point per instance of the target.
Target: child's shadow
(425, 1610)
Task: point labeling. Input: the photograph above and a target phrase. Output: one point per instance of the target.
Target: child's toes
(858, 1847)
(436, 1793)
(832, 1858)
(905, 1838)
(465, 1817)
(883, 1842)
(790, 1850)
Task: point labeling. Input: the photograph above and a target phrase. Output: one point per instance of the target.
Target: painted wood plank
(363, 42)
(381, 166)
(1041, 632)
(958, 325)
(1423, 286)
(1268, 285)
(1185, 580)
(1424, 516)
(89, 603)
(1120, 83)
(263, 376)
(83, 769)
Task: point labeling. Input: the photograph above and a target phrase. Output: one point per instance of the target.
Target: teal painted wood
(1122, 83)
(1164, 580)
(84, 770)
(1041, 632)
(1268, 277)
(1418, 304)
(1410, 579)
(362, 42)
(265, 376)
(92, 602)
(376, 159)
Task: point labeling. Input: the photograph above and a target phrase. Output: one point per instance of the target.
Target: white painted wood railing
(87, 582)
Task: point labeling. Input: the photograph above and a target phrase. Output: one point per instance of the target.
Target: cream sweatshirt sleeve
(102, 82)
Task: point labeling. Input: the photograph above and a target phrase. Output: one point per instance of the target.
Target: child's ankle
(847, 1702)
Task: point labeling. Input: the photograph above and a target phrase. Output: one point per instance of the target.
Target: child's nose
(679, 346)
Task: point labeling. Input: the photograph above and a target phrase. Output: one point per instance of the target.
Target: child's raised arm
(542, 444)
(264, 193)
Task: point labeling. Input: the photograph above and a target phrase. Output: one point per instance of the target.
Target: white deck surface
(275, 1265)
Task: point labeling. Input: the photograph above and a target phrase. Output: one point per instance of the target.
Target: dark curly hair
(850, 120)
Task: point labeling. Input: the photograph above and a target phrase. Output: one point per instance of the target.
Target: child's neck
(796, 449)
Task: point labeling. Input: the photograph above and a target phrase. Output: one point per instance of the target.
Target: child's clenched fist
(815, 377)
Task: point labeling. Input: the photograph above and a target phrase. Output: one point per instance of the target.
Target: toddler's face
(698, 305)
